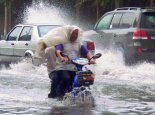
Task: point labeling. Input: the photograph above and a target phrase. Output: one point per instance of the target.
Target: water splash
(45, 13)
(115, 84)
(109, 66)
(112, 66)
(24, 68)
(79, 97)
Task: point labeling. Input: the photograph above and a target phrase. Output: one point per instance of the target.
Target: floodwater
(118, 89)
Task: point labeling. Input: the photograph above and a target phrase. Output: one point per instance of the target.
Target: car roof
(38, 24)
(134, 9)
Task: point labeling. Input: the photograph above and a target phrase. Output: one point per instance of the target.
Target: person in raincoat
(66, 39)
(73, 49)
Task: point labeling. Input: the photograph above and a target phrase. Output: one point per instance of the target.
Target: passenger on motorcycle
(66, 39)
(73, 49)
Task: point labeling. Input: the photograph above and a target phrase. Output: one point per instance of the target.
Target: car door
(102, 29)
(115, 28)
(23, 42)
(7, 46)
(126, 32)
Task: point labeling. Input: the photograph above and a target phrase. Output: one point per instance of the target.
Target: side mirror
(98, 55)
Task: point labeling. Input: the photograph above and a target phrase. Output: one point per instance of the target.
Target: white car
(22, 40)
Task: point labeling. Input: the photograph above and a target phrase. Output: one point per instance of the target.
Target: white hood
(56, 36)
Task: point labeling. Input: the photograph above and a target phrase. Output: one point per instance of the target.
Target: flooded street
(118, 89)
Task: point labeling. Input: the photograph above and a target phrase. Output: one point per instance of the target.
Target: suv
(22, 40)
(130, 29)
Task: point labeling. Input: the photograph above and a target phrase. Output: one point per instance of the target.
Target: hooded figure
(60, 35)
(64, 39)
(46, 50)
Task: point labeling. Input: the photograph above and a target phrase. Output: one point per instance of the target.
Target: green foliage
(101, 2)
(80, 3)
(2, 1)
(105, 2)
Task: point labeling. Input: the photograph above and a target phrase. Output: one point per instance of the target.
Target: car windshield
(148, 20)
(44, 29)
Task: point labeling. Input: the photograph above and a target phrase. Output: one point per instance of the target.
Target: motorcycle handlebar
(98, 55)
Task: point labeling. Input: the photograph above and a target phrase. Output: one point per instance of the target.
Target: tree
(78, 5)
(117, 3)
(152, 3)
(7, 15)
(100, 4)
(1, 1)
(7, 22)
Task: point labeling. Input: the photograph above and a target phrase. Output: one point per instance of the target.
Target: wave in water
(110, 66)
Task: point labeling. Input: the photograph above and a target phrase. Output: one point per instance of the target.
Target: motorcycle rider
(65, 39)
(73, 49)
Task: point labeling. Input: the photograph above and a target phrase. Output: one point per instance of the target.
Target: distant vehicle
(22, 40)
(130, 29)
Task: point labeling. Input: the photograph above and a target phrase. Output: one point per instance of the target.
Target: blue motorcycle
(83, 78)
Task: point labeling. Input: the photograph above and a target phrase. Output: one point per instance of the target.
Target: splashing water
(112, 66)
(114, 80)
(45, 13)
(117, 89)
(79, 96)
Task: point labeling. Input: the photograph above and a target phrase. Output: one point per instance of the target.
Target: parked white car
(22, 40)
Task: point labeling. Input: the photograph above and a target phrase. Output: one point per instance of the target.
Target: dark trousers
(54, 83)
(61, 82)
(64, 83)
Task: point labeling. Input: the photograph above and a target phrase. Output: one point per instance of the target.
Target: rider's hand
(64, 59)
(92, 61)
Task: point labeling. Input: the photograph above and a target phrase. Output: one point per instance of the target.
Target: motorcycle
(82, 80)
